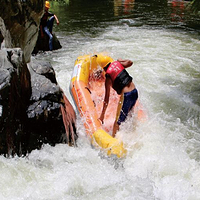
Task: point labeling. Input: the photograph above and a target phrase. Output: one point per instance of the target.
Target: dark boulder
(45, 118)
(15, 92)
(20, 21)
(33, 108)
(42, 44)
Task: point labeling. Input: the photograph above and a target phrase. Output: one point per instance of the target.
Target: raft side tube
(85, 106)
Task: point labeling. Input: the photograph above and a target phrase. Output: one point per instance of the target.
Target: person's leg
(129, 101)
(46, 30)
(118, 113)
(50, 24)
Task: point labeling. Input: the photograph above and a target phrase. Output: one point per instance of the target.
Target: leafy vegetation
(64, 1)
(195, 6)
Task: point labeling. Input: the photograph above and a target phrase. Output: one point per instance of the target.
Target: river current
(163, 160)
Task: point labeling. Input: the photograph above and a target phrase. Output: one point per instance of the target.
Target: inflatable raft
(87, 89)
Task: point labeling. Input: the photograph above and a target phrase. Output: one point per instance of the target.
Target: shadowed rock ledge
(33, 108)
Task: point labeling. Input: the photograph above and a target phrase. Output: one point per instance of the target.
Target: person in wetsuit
(46, 24)
(119, 79)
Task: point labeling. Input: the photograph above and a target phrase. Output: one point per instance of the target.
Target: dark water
(91, 16)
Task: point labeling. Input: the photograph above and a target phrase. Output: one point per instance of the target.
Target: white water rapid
(163, 153)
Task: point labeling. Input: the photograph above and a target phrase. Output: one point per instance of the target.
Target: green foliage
(195, 6)
(64, 1)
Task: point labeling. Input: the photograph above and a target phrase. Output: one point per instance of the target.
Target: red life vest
(114, 69)
(119, 76)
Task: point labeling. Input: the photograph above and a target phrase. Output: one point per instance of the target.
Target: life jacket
(44, 18)
(119, 76)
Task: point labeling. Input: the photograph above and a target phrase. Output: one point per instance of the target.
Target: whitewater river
(163, 160)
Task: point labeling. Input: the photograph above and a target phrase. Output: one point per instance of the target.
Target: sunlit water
(163, 152)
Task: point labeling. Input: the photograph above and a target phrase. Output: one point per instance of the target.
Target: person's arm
(106, 98)
(125, 63)
(57, 21)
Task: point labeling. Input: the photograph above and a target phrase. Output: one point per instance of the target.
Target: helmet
(47, 4)
(105, 60)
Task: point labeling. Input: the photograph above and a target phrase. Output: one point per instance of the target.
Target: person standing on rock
(46, 24)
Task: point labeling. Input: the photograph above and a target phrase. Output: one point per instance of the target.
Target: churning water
(163, 152)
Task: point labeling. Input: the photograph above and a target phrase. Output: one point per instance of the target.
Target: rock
(21, 19)
(15, 92)
(43, 44)
(33, 108)
(45, 117)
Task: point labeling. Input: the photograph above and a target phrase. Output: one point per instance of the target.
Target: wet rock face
(33, 108)
(46, 123)
(15, 92)
(19, 22)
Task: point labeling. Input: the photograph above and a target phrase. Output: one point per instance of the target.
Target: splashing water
(163, 152)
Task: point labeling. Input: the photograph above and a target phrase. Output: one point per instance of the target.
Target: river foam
(163, 152)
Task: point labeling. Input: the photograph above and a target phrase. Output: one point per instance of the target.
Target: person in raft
(119, 79)
(46, 25)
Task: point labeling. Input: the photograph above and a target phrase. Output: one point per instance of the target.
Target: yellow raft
(83, 69)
